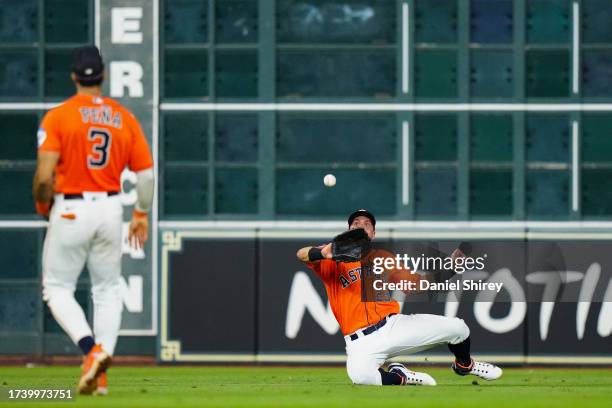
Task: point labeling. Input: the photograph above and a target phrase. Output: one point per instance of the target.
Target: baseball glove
(350, 246)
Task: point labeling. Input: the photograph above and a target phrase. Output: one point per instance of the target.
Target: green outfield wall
(451, 111)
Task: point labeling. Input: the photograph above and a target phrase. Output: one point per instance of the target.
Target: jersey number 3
(101, 138)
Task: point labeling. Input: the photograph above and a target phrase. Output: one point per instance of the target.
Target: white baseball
(329, 180)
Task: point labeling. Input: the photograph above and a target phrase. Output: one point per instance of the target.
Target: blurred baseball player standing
(83, 146)
(375, 331)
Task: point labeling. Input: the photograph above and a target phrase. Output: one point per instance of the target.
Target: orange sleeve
(140, 156)
(48, 135)
(325, 268)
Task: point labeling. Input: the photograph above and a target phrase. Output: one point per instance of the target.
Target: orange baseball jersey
(342, 282)
(96, 138)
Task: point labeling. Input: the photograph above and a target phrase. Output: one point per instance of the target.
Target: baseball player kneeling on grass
(83, 147)
(375, 331)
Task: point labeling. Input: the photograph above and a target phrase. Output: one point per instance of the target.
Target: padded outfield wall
(237, 294)
(442, 110)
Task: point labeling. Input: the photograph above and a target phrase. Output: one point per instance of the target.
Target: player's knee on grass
(371, 377)
(363, 373)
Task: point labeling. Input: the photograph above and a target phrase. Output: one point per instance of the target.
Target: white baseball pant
(85, 232)
(403, 334)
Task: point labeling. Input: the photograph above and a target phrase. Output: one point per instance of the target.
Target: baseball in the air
(329, 180)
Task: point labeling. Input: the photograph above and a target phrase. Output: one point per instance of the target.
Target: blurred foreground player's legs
(67, 245)
(104, 265)
(83, 147)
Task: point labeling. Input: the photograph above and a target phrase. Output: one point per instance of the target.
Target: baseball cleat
(94, 364)
(485, 371)
(102, 385)
(410, 377)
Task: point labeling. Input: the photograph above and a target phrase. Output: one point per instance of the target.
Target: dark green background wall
(258, 161)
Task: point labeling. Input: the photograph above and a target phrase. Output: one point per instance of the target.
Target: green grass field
(314, 387)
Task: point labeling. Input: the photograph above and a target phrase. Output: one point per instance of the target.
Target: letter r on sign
(126, 74)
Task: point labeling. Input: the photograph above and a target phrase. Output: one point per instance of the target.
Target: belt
(371, 329)
(79, 196)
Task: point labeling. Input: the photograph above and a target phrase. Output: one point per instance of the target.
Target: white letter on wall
(126, 25)
(132, 293)
(303, 296)
(604, 322)
(126, 74)
(518, 306)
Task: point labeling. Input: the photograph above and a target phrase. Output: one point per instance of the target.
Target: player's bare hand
(327, 251)
(139, 230)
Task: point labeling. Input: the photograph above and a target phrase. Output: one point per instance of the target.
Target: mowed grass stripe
(171, 386)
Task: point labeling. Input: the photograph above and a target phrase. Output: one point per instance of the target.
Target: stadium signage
(556, 299)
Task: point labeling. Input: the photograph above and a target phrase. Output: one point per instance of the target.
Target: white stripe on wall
(97, 23)
(357, 107)
(389, 107)
(405, 45)
(405, 162)
(575, 164)
(575, 47)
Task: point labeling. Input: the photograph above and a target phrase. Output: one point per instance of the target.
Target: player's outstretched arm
(313, 254)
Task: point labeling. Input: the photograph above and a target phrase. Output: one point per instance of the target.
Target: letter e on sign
(125, 23)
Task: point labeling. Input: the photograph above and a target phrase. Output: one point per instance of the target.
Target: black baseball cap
(362, 213)
(87, 63)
